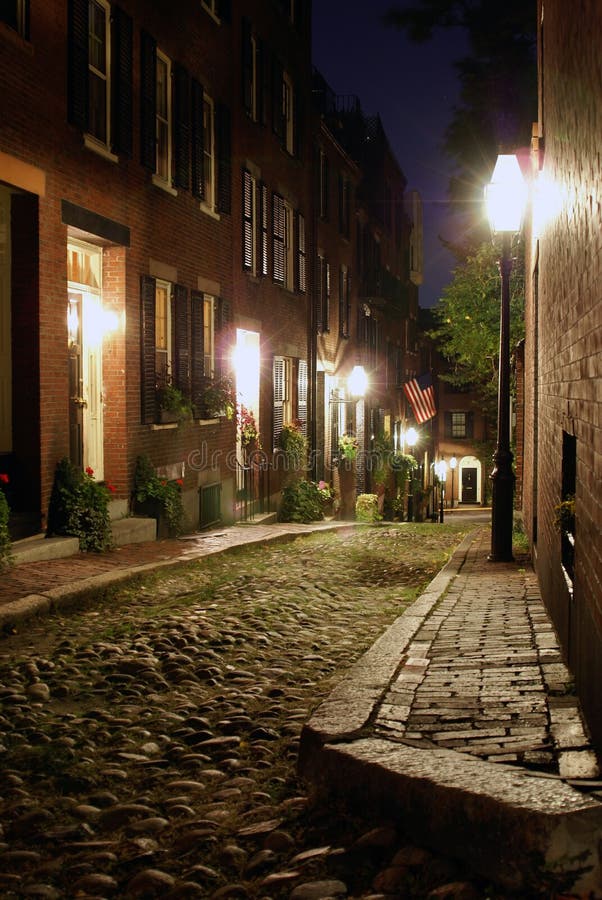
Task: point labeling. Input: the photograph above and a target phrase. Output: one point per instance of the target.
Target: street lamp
(452, 464)
(505, 197)
(411, 438)
(441, 470)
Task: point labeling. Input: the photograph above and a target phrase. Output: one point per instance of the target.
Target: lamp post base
(502, 508)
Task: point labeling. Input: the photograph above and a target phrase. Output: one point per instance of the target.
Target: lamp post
(441, 469)
(452, 464)
(505, 198)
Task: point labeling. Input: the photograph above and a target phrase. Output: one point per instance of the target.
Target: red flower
(89, 471)
(111, 487)
(180, 481)
(3, 478)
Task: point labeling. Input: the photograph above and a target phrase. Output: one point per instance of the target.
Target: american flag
(421, 394)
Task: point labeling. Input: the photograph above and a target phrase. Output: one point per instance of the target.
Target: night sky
(414, 89)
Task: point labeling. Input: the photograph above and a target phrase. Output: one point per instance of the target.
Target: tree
(498, 81)
(467, 317)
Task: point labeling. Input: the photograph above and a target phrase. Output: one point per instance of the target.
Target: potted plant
(348, 447)
(160, 498)
(218, 398)
(327, 496)
(248, 430)
(78, 507)
(366, 508)
(293, 444)
(174, 406)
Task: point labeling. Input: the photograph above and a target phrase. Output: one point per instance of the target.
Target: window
(253, 74)
(458, 425)
(344, 205)
(162, 332)
(208, 153)
(282, 242)
(290, 393)
(209, 335)
(98, 74)
(100, 83)
(14, 13)
(323, 190)
(288, 112)
(163, 121)
(344, 302)
(249, 222)
(323, 322)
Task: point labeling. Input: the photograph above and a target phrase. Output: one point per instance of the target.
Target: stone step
(129, 530)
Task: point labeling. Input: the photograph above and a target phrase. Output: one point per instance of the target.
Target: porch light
(506, 195)
(357, 381)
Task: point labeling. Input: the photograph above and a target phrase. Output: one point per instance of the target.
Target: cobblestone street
(149, 745)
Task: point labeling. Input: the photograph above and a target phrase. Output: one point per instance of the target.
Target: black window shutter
(148, 393)
(197, 321)
(263, 229)
(181, 358)
(469, 424)
(277, 88)
(300, 262)
(278, 235)
(198, 140)
(448, 425)
(181, 127)
(297, 123)
(77, 96)
(148, 101)
(224, 155)
(263, 83)
(122, 112)
(247, 67)
(224, 11)
(224, 317)
(247, 220)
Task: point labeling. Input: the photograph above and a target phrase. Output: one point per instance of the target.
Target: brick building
(161, 228)
(563, 347)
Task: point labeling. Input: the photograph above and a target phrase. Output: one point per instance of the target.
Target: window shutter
(148, 101)
(181, 127)
(301, 268)
(198, 139)
(448, 425)
(148, 393)
(181, 356)
(279, 397)
(263, 225)
(263, 83)
(197, 309)
(122, 87)
(298, 119)
(224, 154)
(224, 317)
(302, 394)
(469, 424)
(247, 221)
(278, 238)
(278, 124)
(224, 10)
(77, 97)
(247, 67)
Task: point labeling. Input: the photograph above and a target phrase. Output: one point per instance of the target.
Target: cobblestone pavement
(149, 744)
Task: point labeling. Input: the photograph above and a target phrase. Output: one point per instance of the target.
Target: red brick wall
(566, 352)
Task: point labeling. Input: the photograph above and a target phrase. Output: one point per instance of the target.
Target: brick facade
(563, 358)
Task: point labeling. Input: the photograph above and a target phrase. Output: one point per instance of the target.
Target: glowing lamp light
(357, 382)
(411, 437)
(506, 195)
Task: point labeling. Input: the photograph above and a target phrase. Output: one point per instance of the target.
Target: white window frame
(209, 305)
(166, 286)
(288, 112)
(211, 6)
(209, 201)
(163, 170)
(99, 76)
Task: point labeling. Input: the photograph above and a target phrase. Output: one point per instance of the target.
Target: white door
(85, 317)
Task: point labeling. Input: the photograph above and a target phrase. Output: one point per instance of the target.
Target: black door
(469, 485)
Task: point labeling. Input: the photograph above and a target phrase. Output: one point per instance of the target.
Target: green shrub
(293, 444)
(167, 494)
(366, 508)
(301, 502)
(79, 507)
(5, 544)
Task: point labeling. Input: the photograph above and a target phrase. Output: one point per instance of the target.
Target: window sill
(164, 186)
(167, 426)
(210, 212)
(202, 422)
(91, 143)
